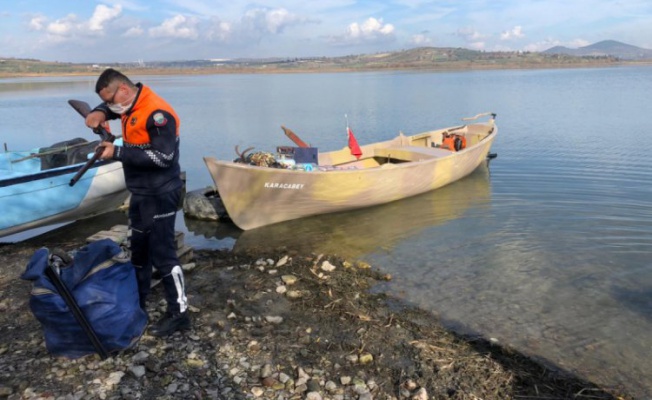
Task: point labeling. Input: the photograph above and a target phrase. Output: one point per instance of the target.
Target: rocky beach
(274, 326)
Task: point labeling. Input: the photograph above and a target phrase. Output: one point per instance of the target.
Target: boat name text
(279, 185)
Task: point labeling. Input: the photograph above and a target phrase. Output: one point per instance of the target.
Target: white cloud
(269, 20)
(470, 34)
(219, 31)
(371, 31)
(134, 31)
(515, 32)
(37, 23)
(62, 27)
(420, 40)
(102, 15)
(70, 26)
(548, 43)
(254, 25)
(179, 26)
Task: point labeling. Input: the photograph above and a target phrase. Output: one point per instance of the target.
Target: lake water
(547, 250)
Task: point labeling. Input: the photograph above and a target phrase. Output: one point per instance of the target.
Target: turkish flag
(353, 144)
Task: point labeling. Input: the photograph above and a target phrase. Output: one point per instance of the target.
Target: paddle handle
(294, 137)
(84, 109)
(96, 156)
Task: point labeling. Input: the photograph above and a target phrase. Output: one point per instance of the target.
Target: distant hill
(611, 48)
(605, 53)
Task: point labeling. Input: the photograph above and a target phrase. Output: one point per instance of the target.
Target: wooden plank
(185, 254)
(120, 234)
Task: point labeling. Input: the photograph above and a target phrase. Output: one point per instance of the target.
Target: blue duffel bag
(103, 283)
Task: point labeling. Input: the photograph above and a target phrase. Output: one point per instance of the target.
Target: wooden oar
(294, 137)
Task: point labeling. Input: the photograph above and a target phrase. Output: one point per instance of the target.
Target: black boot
(170, 323)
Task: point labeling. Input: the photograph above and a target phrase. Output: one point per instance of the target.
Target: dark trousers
(151, 219)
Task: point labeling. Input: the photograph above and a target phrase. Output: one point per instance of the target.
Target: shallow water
(547, 250)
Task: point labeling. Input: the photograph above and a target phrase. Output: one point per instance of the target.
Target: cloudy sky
(151, 30)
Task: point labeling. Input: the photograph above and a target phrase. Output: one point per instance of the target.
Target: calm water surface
(547, 250)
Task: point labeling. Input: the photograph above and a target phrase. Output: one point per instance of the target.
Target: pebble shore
(283, 326)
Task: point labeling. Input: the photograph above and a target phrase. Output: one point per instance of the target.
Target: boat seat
(411, 153)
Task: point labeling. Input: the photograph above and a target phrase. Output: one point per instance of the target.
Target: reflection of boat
(359, 232)
(402, 167)
(35, 186)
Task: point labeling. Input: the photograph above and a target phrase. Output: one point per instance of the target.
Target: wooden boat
(387, 171)
(35, 186)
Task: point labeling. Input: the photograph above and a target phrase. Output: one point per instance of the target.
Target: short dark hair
(109, 76)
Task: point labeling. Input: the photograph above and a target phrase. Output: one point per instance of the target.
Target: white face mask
(119, 108)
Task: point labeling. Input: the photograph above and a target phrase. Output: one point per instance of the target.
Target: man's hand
(95, 119)
(107, 153)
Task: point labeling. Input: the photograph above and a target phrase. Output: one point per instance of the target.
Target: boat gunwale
(379, 168)
(49, 173)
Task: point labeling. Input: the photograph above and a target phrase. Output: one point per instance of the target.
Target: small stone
(254, 346)
(195, 363)
(362, 265)
(266, 371)
(138, 371)
(301, 373)
(289, 279)
(410, 385)
(257, 391)
(330, 386)
(327, 266)
(188, 267)
(366, 358)
(269, 382)
(282, 261)
(283, 377)
(421, 394)
(5, 391)
(313, 385)
(294, 294)
(140, 357)
(313, 396)
(115, 378)
(172, 388)
(274, 319)
(345, 380)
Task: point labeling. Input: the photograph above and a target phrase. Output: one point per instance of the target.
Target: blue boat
(35, 186)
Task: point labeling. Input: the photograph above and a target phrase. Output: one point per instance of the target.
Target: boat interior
(69, 152)
(403, 149)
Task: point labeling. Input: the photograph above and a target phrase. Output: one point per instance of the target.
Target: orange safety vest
(449, 142)
(134, 123)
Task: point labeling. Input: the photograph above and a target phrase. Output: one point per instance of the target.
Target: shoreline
(257, 333)
(272, 70)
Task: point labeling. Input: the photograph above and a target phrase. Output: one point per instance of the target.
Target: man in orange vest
(150, 159)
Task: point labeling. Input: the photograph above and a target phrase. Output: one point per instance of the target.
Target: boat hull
(257, 196)
(39, 199)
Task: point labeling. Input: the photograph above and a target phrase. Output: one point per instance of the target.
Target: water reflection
(357, 233)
